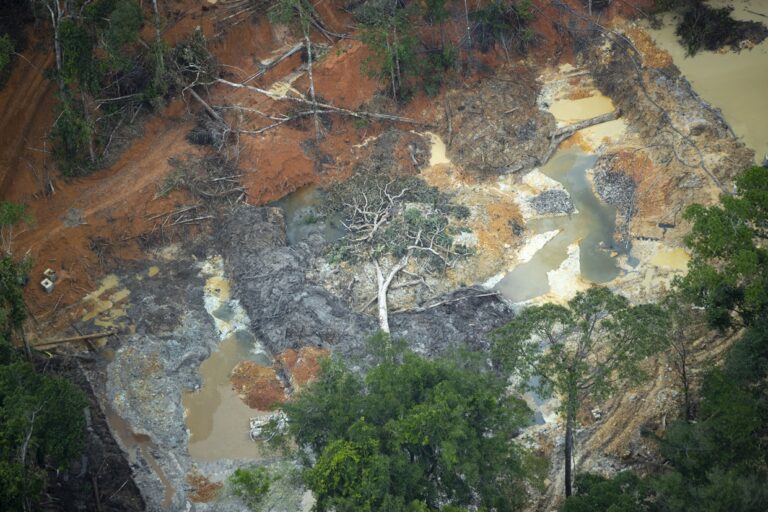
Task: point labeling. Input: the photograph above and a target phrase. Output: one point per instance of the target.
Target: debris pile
(552, 202)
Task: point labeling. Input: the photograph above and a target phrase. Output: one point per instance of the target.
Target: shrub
(70, 134)
(707, 28)
(500, 21)
(251, 484)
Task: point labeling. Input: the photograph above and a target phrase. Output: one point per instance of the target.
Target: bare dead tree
(394, 237)
(360, 114)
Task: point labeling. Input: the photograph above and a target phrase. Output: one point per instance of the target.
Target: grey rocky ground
(288, 310)
(614, 188)
(553, 202)
(143, 382)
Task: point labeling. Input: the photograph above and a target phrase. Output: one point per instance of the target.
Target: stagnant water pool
(592, 227)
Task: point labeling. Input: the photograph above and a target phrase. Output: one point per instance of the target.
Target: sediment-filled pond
(591, 227)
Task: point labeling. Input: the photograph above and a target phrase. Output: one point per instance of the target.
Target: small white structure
(50, 274)
(47, 285)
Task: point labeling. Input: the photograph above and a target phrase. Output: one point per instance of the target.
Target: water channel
(216, 417)
(592, 227)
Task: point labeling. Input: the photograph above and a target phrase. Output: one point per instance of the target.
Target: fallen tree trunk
(421, 309)
(84, 337)
(206, 106)
(338, 110)
(269, 64)
(566, 131)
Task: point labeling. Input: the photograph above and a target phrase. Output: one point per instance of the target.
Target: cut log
(270, 63)
(338, 110)
(566, 131)
(84, 338)
(206, 106)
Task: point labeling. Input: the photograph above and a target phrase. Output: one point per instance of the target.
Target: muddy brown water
(592, 227)
(216, 417)
(302, 215)
(736, 83)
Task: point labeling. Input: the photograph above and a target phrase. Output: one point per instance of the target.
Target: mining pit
(221, 321)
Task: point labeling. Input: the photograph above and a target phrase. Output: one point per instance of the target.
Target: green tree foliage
(504, 22)
(721, 459)
(125, 21)
(71, 134)
(11, 214)
(584, 349)
(97, 57)
(728, 274)
(686, 326)
(14, 17)
(387, 28)
(251, 484)
(703, 27)
(623, 493)
(79, 67)
(42, 425)
(718, 459)
(717, 462)
(413, 434)
(6, 50)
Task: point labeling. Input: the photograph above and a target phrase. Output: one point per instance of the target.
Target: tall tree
(11, 214)
(387, 28)
(728, 273)
(685, 328)
(393, 222)
(584, 349)
(42, 425)
(412, 435)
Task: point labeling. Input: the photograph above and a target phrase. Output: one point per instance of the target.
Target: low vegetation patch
(703, 27)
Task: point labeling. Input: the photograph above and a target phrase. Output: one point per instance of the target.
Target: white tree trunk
(55, 19)
(383, 287)
(308, 44)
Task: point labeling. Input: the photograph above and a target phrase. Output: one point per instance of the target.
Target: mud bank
(679, 151)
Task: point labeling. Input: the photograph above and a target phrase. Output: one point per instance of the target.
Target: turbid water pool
(736, 83)
(216, 417)
(303, 215)
(592, 228)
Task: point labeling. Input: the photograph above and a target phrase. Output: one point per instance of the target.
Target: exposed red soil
(303, 365)
(118, 202)
(261, 388)
(203, 490)
(258, 386)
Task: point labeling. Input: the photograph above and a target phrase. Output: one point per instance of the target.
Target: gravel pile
(616, 189)
(552, 202)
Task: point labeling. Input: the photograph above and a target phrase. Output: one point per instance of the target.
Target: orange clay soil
(117, 204)
(258, 386)
(261, 388)
(203, 490)
(302, 365)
